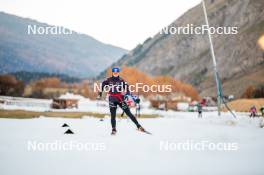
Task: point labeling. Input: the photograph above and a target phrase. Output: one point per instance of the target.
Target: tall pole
(218, 85)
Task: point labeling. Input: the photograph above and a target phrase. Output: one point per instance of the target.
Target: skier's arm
(104, 83)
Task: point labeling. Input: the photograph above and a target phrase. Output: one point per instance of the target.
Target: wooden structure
(64, 103)
(168, 102)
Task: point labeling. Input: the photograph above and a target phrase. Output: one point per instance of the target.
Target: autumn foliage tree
(133, 76)
(86, 91)
(10, 86)
(177, 86)
(54, 87)
(39, 86)
(248, 92)
(254, 92)
(53, 82)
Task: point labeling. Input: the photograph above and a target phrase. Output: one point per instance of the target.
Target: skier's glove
(99, 96)
(137, 100)
(126, 97)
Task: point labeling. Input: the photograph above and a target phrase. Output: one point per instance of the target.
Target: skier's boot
(113, 131)
(140, 128)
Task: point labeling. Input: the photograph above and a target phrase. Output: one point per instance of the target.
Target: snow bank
(29, 104)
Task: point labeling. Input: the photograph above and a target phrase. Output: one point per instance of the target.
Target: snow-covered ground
(132, 152)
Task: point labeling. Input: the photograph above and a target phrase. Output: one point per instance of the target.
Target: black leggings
(113, 103)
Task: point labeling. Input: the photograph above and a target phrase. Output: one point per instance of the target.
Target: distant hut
(66, 101)
(169, 101)
(158, 101)
(2, 101)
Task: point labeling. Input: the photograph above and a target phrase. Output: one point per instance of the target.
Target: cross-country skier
(262, 111)
(132, 100)
(136, 101)
(253, 111)
(200, 110)
(117, 87)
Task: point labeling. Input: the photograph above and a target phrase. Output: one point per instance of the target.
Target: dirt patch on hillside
(243, 105)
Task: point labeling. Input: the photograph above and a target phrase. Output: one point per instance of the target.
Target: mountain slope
(187, 57)
(76, 54)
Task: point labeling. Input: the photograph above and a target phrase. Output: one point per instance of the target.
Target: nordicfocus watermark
(191, 29)
(59, 145)
(204, 145)
(132, 88)
(47, 30)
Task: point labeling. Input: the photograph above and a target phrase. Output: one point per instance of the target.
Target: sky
(123, 23)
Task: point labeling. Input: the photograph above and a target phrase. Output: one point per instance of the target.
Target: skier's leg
(138, 111)
(113, 117)
(113, 107)
(126, 109)
(200, 114)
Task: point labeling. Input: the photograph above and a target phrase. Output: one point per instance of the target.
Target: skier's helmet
(115, 71)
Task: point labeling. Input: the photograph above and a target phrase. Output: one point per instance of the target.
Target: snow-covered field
(132, 152)
(84, 105)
